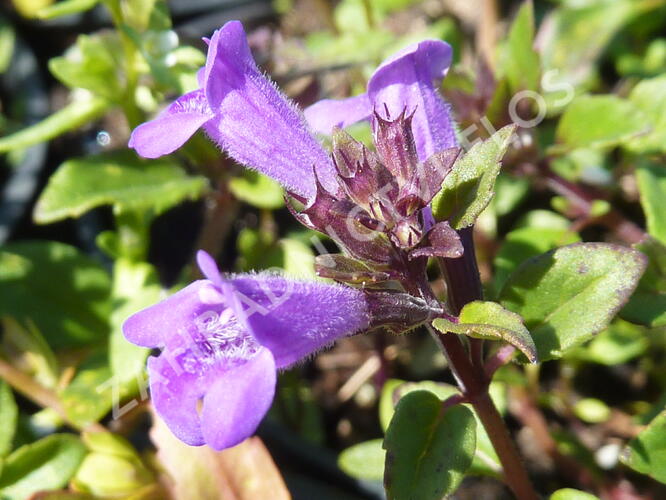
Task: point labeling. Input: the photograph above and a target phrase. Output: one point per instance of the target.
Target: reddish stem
(464, 286)
(475, 390)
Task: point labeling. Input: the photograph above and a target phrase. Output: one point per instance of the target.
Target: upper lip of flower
(246, 115)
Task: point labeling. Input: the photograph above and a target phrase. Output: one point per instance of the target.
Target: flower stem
(475, 390)
(463, 286)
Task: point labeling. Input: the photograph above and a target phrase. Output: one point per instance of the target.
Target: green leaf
(112, 468)
(89, 396)
(394, 390)
(598, 121)
(428, 449)
(364, 460)
(592, 410)
(485, 460)
(587, 165)
(652, 187)
(579, 33)
(469, 187)
(650, 97)
(297, 258)
(120, 179)
(96, 389)
(8, 417)
(388, 6)
(647, 306)
(28, 347)
(353, 16)
(65, 8)
(567, 295)
(92, 64)
(136, 287)
(46, 464)
(258, 251)
(489, 320)
(619, 343)
(68, 118)
(7, 43)
(258, 190)
(520, 62)
(571, 494)
(510, 191)
(63, 292)
(523, 243)
(110, 476)
(646, 453)
(387, 401)
(137, 13)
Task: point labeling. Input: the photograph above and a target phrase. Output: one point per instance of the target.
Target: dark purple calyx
(377, 214)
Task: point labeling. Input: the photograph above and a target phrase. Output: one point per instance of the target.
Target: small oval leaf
(120, 179)
(364, 460)
(44, 465)
(568, 295)
(428, 448)
(489, 320)
(70, 117)
(646, 453)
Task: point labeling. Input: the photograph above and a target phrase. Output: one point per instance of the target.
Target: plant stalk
(463, 286)
(39, 394)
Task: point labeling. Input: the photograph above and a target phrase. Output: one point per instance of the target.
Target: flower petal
(172, 322)
(209, 267)
(237, 401)
(173, 127)
(323, 116)
(175, 395)
(255, 123)
(294, 318)
(406, 81)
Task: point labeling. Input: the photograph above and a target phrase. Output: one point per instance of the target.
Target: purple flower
(222, 341)
(404, 82)
(245, 114)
